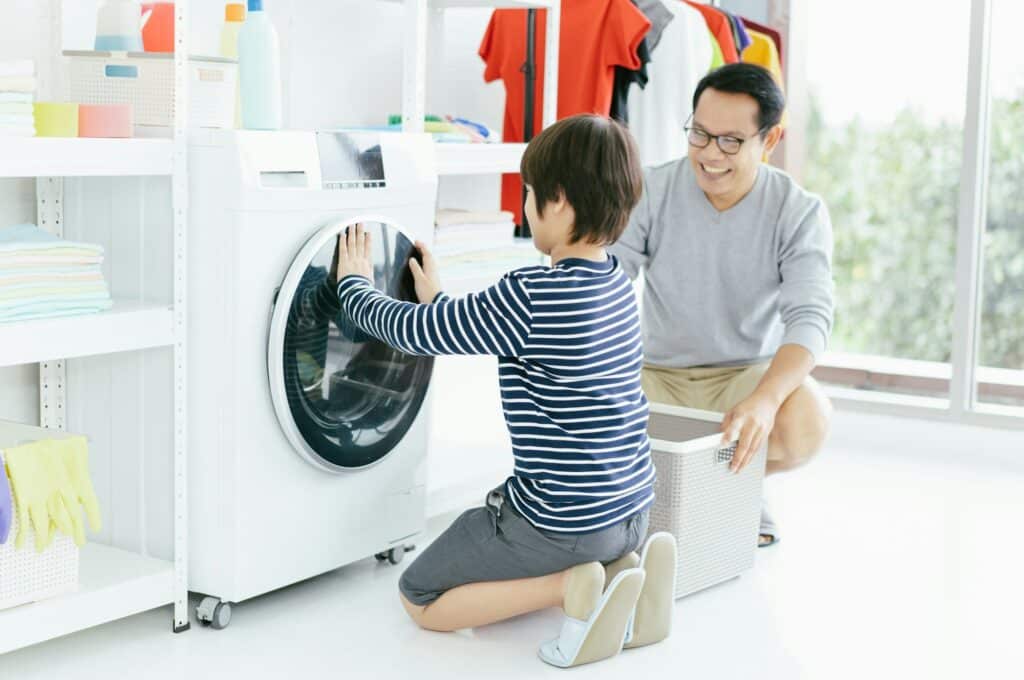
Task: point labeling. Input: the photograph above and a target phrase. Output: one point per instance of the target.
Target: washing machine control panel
(351, 160)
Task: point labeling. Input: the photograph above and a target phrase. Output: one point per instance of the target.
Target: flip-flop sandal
(602, 634)
(768, 529)
(652, 619)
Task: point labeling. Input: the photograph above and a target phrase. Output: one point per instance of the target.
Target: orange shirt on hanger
(596, 36)
(721, 28)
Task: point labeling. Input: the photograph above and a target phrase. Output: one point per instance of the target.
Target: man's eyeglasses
(727, 143)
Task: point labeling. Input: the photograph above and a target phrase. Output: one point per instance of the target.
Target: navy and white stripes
(569, 347)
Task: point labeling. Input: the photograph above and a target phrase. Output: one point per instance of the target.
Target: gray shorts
(495, 543)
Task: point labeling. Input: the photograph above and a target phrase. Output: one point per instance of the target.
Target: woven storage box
(714, 514)
(26, 575)
(146, 81)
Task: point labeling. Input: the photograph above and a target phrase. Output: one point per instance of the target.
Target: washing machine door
(343, 398)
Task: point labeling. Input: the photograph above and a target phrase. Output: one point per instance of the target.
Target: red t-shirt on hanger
(596, 36)
(721, 28)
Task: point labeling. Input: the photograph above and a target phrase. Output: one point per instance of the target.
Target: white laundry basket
(714, 514)
(26, 575)
(146, 81)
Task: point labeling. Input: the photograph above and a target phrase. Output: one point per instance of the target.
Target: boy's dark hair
(749, 79)
(594, 161)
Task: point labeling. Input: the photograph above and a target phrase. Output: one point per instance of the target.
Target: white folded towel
(16, 97)
(17, 84)
(16, 119)
(21, 131)
(16, 108)
(17, 67)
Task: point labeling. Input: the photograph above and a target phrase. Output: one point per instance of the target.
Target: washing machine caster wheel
(214, 613)
(395, 555)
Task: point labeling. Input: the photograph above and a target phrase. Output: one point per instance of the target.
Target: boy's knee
(421, 617)
(414, 611)
(407, 596)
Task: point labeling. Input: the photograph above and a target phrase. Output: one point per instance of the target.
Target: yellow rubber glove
(62, 503)
(76, 460)
(32, 488)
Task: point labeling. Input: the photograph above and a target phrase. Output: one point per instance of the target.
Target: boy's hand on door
(426, 276)
(355, 255)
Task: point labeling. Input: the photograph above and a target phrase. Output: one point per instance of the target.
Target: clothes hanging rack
(529, 70)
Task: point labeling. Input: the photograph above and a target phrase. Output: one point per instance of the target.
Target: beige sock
(583, 589)
(627, 561)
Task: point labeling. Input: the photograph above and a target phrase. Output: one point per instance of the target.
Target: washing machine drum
(343, 398)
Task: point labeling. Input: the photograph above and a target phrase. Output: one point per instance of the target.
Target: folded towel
(17, 67)
(30, 277)
(28, 262)
(53, 310)
(91, 301)
(22, 292)
(446, 217)
(21, 131)
(54, 272)
(17, 108)
(58, 294)
(17, 84)
(19, 97)
(16, 119)
(72, 251)
(30, 239)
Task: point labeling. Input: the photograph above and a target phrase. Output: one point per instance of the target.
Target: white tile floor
(901, 559)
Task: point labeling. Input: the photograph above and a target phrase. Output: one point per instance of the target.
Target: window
(884, 145)
(1000, 373)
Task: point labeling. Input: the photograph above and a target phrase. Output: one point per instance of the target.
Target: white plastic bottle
(234, 15)
(259, 63)
(119, 26)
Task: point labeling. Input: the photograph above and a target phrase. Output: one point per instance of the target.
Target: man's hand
(354, 256)
(427, 278)
(750, 421)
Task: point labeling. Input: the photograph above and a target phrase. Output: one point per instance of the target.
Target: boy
(568, 341)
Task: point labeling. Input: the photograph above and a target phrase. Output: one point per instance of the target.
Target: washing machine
(307, 438)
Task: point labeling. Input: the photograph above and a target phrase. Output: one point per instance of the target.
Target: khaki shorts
(709, 389)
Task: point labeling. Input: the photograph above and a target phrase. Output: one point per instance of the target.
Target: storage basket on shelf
(26, 575)
(714, 514)
(146, 81)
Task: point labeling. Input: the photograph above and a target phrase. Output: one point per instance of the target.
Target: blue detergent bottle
(259, 64)
(119, 26)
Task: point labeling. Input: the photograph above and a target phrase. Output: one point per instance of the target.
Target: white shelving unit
(478, 159)
(53, 157)
(128, 326)
(461, 483)
(424, 28)
(497, 4)
(114, 583)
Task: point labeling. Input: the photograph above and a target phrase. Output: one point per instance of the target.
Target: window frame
(962, 375)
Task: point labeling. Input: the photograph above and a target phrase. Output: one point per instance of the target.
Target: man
(737, 303)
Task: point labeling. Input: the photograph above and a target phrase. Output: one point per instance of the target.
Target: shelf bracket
(52, 374)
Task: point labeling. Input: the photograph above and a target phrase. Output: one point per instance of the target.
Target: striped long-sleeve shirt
(569, 354)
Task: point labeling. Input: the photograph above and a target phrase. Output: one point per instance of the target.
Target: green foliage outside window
(893, 195)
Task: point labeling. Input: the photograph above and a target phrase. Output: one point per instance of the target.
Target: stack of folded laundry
(17, 92)
(471, 244)
(461, 231)
(451, 129)
(44, 276)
